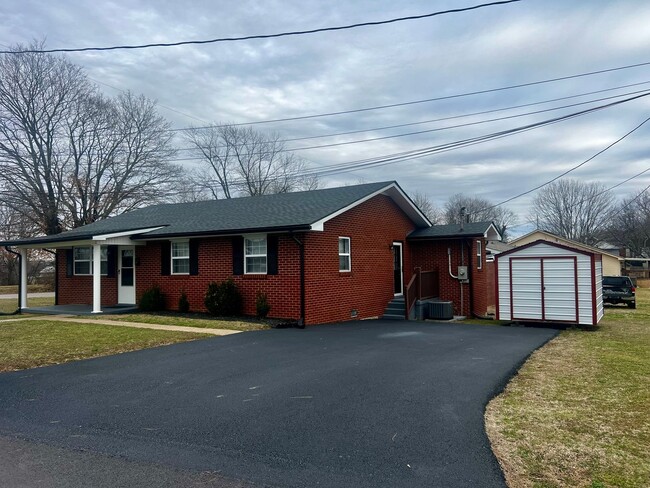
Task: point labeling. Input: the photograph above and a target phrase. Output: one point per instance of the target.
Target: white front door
(126, 275)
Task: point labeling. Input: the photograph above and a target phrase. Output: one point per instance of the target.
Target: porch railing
(423, 284)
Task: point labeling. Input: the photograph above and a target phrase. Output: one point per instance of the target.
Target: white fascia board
(320, 224)
(494, 228)
(103, 237)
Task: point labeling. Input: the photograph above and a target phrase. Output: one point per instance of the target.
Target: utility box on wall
(462, 273)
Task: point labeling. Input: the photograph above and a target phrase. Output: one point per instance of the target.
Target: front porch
(79, 309)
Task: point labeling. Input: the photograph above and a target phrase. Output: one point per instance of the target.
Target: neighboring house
(611, 262)
(320, 256)
(496, 247)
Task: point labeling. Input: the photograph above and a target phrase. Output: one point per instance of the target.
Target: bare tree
(574, 210)
(629, 225)
(117, 158)
(69, 156)
(37, 95)
(478, 210)
(241, 161)
(427, 207)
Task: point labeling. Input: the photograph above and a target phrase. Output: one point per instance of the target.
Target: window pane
(104, 268)
(104, 253)
(344, 263)
(82, 268)
(255, 246)
(180, 266)
(82, 253)
(256, 265)
(180, 249)
(344, 245)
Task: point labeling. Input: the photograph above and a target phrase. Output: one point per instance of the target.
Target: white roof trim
(496, 231)
(392, 187)
(103, 237)
(570, 242)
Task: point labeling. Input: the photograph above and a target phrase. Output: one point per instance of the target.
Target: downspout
(301, 245)
(20, 267)
(462, 263)
(469, 277)
(56, 275)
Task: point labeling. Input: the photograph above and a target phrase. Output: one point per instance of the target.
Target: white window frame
(345, 254)
(104, 259)
(256, 237)
(479, 254)
(179, 258)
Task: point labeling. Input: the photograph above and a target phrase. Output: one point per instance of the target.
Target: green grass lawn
(578, 412)
(7, 289)
(32, 343)
(10, 305)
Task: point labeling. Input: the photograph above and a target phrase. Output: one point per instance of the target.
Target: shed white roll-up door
(548, 282)
(544, 289)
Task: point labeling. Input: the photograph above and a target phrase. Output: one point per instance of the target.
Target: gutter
(20, 267)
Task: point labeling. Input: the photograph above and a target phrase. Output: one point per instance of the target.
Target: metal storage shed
(549, 282)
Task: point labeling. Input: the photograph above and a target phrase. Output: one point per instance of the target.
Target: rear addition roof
(450, 231)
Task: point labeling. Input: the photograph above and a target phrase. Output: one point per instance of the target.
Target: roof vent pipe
(462, 218)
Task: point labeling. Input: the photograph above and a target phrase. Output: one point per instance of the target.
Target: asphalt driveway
(365, 404)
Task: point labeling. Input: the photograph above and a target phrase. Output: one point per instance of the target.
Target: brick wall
(372, 227)
(79, 289)
(330, 296)
(432, 256)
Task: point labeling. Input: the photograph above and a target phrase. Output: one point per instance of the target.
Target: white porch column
(97, 278)
(23, 278)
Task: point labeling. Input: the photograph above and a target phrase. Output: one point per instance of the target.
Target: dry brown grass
(578, 412)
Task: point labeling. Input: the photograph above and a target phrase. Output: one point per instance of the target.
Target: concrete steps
(395, 309)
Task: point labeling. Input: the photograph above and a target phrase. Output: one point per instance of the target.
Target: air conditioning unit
(441, 310)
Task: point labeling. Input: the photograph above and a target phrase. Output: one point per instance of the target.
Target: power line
(414, 102)
(263, 36)
(527, 192)
(438, 129)
(431, 150)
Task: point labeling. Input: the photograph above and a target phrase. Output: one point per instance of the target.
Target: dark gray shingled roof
(472, 229)
(249, 214)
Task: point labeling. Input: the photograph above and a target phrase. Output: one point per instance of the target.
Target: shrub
(152, 300)
(183, 303)
(223, 299)
(262, 305)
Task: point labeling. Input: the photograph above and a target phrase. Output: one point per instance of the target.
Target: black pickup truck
(619, 289)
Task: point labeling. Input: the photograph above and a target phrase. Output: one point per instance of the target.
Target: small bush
(223, 299)
(152, 300)
(183, 303)
(262, 305)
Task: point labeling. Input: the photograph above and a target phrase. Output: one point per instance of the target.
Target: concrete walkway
(137, 325)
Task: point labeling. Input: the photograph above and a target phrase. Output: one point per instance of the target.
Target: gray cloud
(248, 81)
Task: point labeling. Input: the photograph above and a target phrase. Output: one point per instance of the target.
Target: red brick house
(320, 256)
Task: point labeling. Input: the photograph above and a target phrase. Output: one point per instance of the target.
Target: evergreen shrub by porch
(223, 299)
(152, 300)
(262, 305)
(183, 303)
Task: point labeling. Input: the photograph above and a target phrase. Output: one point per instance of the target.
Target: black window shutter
(69, 262)
(272, 254)
(194, 257)
(111, 261)
(237, 255)
(165, 258)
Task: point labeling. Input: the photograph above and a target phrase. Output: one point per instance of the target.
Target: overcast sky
(336, 71)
